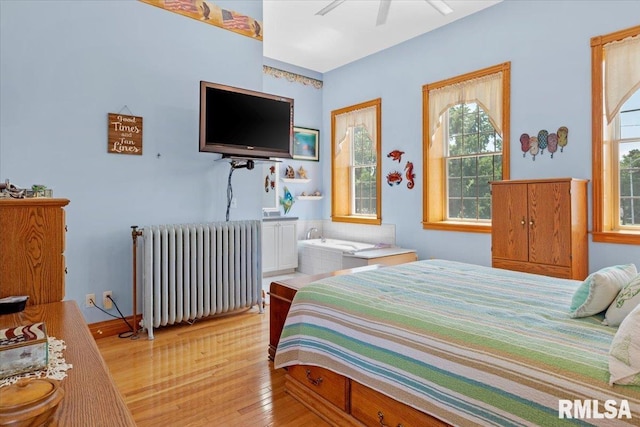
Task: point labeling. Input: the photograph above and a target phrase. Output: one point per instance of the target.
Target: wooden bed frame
(335, 398)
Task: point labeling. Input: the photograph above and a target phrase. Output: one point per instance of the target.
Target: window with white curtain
(466, 121)
(616, 136)
(355, 163)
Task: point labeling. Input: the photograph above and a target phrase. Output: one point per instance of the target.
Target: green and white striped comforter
(468, 344)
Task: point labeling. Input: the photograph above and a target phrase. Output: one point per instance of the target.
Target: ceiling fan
(383, 8)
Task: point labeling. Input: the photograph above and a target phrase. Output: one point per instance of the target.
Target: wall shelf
(309, 197)
(296, 180)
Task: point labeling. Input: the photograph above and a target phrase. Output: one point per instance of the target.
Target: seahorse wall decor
(535, 145)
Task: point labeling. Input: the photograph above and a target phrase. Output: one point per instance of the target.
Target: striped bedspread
(470, 345)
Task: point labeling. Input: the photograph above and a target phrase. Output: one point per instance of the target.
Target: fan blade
(329, 7)
(383, 12)
(440, 6)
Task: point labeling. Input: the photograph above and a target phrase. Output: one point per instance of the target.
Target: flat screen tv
(244, 123)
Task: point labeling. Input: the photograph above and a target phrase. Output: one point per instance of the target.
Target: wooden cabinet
(32, 240)
(279, 246)
(540, 226)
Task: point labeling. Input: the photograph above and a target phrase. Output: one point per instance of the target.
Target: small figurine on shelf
(316, 193)
(289, 173)
(302, 173)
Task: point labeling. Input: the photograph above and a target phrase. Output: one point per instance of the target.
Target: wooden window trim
(433, 200)
(338, 182)
(600, 232)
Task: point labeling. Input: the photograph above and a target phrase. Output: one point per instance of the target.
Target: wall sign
(125, 134)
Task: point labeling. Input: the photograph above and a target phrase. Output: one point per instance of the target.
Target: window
(615, 87)
(466, 128)
(355, 163)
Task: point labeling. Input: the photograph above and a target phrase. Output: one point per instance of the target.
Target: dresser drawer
(373, 408)
(331, 386)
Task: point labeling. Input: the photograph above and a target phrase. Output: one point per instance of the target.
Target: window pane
(455, 120)
(365, 190)
(455, 208)
(487, 142)
(471, 144)
(455, 189)
(469, 187)
(470, 118)
(630, 117)
(455, 145)
(469, 209)
(454, 167)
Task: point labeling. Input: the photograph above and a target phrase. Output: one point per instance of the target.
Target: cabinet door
(288, 247)
(269, 247)
(509, 237)
(550, 223)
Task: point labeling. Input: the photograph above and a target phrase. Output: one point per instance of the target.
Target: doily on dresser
(56, 368)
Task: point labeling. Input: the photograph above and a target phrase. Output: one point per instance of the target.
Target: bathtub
(343, 246)
(317, 256)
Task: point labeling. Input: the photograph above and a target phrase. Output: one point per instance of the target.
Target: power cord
(130, 333)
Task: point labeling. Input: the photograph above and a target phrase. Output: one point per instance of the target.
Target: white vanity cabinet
(279, 246)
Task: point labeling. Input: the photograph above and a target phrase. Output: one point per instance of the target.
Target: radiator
(193, 271)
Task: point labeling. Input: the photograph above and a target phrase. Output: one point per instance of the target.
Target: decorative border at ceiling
(292, 77)
(212, 14)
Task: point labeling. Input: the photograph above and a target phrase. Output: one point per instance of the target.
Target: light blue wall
(65, 65)
(308, 114)
(548, 44)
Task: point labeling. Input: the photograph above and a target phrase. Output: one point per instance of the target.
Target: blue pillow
(598, 290)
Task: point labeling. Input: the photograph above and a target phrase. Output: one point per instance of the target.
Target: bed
(460, 344)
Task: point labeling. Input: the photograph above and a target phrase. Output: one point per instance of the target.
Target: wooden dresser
(540, 226)
(32, 242)
(91, 397)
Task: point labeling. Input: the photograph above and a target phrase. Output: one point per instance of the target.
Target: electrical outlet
(106, 300)
(88, 299)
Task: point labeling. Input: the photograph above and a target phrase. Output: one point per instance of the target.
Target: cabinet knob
(523, 222)
(531, 223)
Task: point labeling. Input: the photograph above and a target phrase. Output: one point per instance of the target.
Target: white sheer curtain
(345, 122)
(621, 73)
(485, 91)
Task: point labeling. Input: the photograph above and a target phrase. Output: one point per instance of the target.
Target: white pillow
(624, 355)
(599, 289)
(627, 300)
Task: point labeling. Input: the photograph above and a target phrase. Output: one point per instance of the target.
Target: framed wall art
(306, 144)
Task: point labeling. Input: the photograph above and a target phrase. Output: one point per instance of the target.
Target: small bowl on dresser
(31, 402)
(10, 305)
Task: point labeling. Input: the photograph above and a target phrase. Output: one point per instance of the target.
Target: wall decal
(212, 14)
(410, 175)
(396, 155)
(394, 177)
(287, 200)
(535, 145)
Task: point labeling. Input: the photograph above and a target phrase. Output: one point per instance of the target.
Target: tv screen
(244, 123)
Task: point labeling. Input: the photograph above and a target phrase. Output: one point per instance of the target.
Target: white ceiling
(294, 34)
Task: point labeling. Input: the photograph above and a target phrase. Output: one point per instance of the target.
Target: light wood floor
(214, 372)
